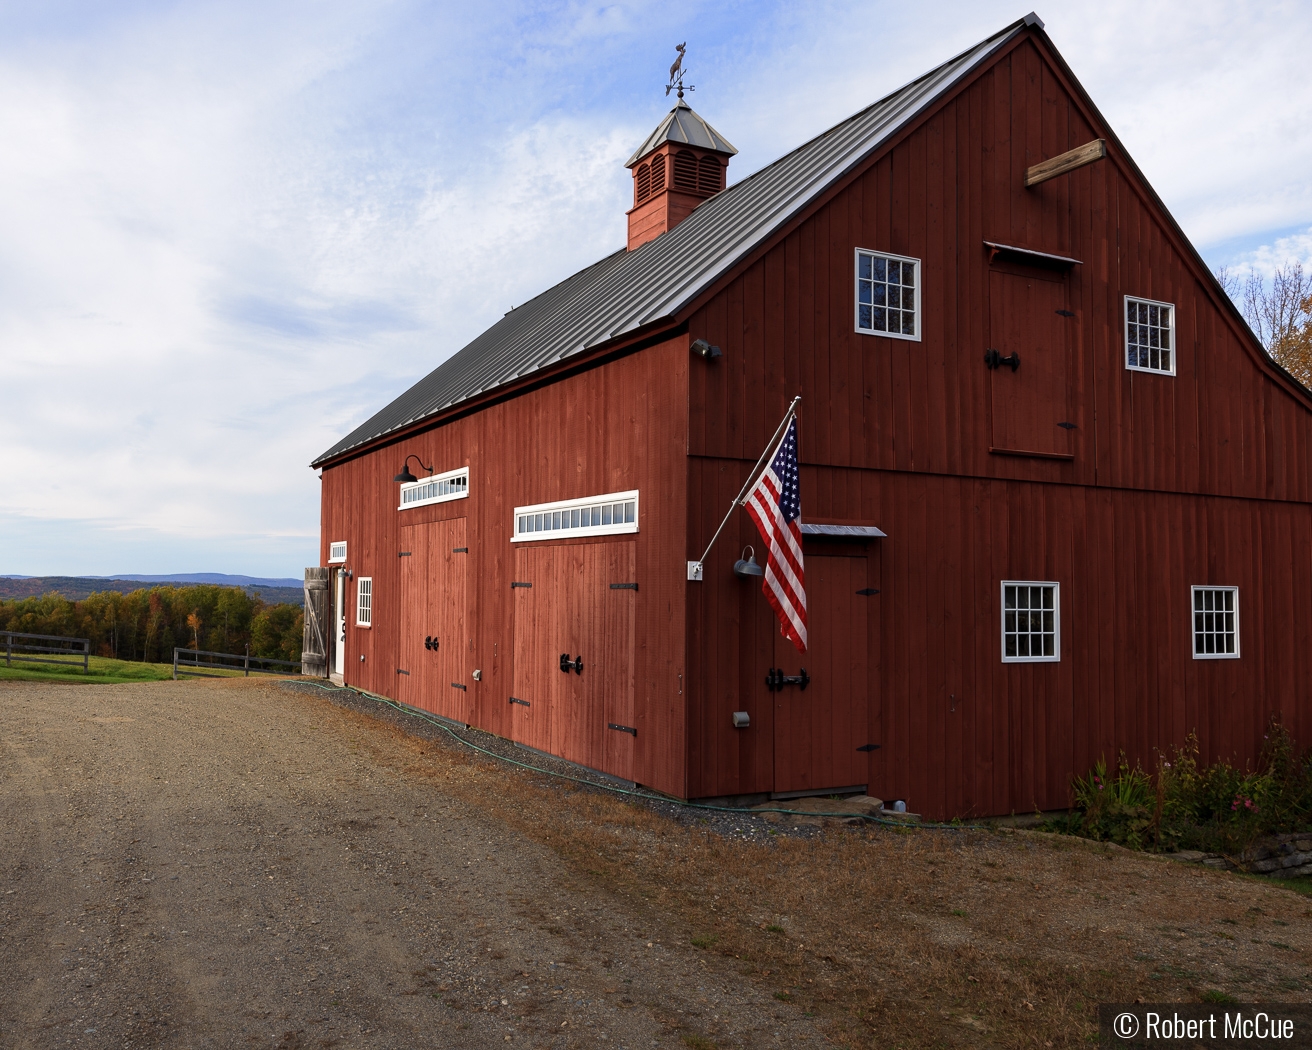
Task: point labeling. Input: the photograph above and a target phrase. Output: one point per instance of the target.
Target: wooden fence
(186, 664)
(61, 650)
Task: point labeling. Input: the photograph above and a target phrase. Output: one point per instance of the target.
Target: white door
(339, 665)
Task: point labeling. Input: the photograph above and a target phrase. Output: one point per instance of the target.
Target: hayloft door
(433, 664)
(819, 729)
(574, 644)
(1028, 365)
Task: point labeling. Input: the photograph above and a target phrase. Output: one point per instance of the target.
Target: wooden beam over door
(1068, 161)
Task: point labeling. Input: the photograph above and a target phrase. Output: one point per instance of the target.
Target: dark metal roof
(684, 125)
(627, 291)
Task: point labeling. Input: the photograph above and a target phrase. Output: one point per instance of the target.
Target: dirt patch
(250, 865)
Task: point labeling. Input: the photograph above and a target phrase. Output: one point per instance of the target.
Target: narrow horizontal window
(1031, 622)
(337, 551)
(1149, 336)
(587, 516)
(887, 295)
(440, 488)
(364, 602)
(1216, 623)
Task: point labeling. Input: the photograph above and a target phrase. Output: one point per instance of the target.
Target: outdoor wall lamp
(745, 567)
(706, 350)
(405, 477)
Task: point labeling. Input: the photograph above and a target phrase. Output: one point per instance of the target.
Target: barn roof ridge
(629, 290)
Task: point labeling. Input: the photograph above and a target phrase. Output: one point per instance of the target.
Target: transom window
(887, 295)
(337, 551)
(589, 516)
(364, 602)
(1031, 622)
(1149, 336)
(1216, 623)
(440, 488)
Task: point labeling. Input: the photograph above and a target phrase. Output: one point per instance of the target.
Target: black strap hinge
(868, 747)
(403, 554)
(518, 584)
(457, 685)
(517, 700)
(399, 671)
(866, 592)
(623, 586)
(459, 550)
(623, 729)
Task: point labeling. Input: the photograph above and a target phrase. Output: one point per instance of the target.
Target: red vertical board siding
(1204, 477)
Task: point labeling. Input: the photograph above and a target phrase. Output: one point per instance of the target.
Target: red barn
(1057, 501)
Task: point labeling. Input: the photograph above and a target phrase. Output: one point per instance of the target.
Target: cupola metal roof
(687, 127)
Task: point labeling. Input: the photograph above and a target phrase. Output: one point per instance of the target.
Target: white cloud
(229, 233)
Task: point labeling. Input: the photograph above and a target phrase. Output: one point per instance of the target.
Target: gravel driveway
(230, 864)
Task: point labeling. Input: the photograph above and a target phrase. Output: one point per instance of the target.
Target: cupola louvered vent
(709, 173)
(657, 174)
(685, 170)
(643, 183)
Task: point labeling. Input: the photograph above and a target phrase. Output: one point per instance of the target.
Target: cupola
(680, 164)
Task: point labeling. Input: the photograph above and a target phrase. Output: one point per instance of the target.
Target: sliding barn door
(1029, 403)
(433, 663)
(574, 645)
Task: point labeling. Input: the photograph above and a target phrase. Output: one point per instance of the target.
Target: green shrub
(1182, 805)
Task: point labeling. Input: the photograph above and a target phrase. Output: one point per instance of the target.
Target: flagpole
(695, 567)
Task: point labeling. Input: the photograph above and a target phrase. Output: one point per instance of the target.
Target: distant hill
(74, 588)
(221, 578)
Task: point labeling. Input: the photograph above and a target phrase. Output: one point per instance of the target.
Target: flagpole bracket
(694, 572)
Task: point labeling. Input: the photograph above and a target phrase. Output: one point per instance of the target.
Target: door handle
(775, 680)
(567, 665)
(431, 643)
(993, 359)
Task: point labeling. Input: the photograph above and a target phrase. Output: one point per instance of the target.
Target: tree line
(1280, 314)
(147, 624)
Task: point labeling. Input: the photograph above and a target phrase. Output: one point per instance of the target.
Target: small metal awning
(1010, 253)
(854, 532)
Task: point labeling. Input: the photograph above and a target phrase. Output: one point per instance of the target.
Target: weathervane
(677, 71)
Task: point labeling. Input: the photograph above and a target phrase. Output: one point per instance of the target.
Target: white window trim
(569, 504)
(1056, 622)
(1192, 635)
(445, 476)
(1125, 336)
(336, 561)
(359, 606)
(856, 294)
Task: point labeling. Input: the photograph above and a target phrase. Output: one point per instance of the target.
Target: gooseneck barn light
(405, 477)
(746, 567)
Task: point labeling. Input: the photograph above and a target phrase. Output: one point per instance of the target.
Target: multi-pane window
(591, 516)
(454, 484)
(1216, 623)
(1031, 622)
(364, 602)
(887, 295)
(337, 551)
(1149, 336)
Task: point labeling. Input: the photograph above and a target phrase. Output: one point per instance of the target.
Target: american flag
(775, 504)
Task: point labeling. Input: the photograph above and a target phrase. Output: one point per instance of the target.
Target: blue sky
(229, 232)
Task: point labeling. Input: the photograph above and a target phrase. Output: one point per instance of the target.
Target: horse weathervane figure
(677, 71)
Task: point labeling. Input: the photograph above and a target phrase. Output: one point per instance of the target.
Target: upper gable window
(1149, 336)
(337, 551)
(887, 295)
(440, 488)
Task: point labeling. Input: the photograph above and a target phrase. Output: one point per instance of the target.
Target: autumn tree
(1280, 314)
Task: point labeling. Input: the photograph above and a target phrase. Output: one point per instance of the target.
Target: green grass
(101, 671)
